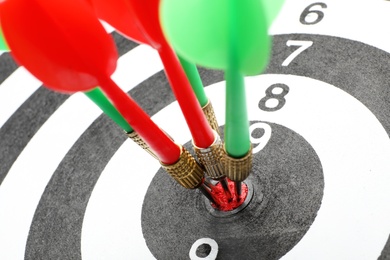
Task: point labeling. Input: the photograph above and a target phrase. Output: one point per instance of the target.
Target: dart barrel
(238, 169)
(211, 158)
(186, 171)
(208, 111)
(140, 142)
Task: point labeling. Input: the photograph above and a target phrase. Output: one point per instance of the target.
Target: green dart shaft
(3, 44)
(97, 96)
(237, 141)
(195, 80)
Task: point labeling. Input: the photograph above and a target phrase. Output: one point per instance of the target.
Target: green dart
(231, 36)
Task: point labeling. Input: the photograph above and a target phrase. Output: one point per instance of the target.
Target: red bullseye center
(228, 202)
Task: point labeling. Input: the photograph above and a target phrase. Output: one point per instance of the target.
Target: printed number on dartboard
(311, 15)
(274, 99)
(275, 95)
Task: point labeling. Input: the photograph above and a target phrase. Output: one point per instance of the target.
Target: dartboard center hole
(203, 250)
(232, 201)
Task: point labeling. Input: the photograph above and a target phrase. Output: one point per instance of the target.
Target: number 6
(307, 12)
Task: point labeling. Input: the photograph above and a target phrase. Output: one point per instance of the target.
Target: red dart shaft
(200, 129)
(166, 150)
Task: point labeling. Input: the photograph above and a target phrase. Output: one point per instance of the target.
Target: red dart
(139, 20)
(120, 16)
(63, 44)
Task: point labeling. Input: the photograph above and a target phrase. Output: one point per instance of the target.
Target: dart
(236, 49)
(68, 63)
(70, 54)
(98, 97)
(139, 21)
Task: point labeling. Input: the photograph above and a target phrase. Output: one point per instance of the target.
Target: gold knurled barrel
(186, 170)
(208, 111)
(212, 158)
(138, 140)
(238, 169)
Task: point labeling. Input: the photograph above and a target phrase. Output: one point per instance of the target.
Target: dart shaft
(165, 149)
(237, 140)
(98, 97)
(201, 131)
(195, 80)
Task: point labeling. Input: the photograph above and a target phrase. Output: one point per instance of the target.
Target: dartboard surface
(73, 186)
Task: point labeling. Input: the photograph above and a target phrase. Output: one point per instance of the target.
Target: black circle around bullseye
(287, 181)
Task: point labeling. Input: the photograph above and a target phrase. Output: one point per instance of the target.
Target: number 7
(303, 45)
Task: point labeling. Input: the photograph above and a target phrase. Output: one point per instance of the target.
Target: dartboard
(73, 186)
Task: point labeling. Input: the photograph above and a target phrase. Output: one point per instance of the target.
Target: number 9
(262, 140)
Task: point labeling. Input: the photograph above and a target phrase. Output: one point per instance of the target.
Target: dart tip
(238, 189)
(208, 193)
(225, 186)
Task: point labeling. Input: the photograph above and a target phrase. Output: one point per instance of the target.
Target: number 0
(211, 242)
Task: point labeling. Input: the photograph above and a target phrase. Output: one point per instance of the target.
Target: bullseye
(229, 204)
(235, 204)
